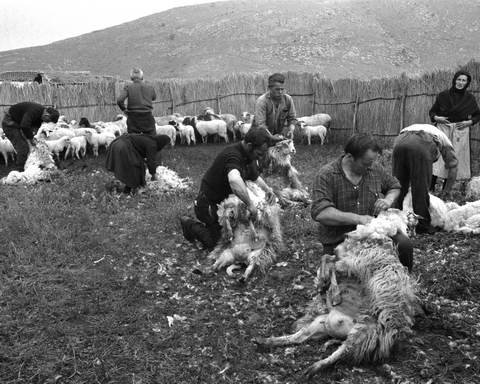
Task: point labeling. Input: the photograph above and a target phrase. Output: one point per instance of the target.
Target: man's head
(257, 141)
(136, 74)
(362, 150)
(276, 85)
(50, 115)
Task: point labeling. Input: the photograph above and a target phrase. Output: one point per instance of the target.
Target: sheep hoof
(231, 268)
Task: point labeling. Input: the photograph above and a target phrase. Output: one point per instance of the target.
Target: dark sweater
(28, 116)
(140, 96)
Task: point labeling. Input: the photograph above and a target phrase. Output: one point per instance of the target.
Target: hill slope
(338, 38)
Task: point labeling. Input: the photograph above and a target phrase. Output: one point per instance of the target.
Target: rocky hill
(337, 38)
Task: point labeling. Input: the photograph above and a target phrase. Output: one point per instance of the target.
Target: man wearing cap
(227, 174)
(19, 124)
(274, 110)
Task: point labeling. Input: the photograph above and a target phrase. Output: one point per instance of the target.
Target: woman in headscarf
(127, 155)
(140, 96)
(455, 110)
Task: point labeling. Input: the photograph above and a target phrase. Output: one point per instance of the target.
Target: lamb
(371, 308)
(78, 146)
(39, 166)
(186, 133)
(473, 189)
(212, 127)
(7, 150)
(168, 130)
(279, 173)
(97, 140)
(230, 120)
(57, 146)
(314, 130)
(246, 240)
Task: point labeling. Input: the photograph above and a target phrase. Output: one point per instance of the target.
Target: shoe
(428, 230)
(186, 224)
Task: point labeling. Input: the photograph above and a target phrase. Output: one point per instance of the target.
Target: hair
(84, 122)
(136, 74)
(54, 114)
(259, 136)
(459, 73)
(360, 143)
(276, 78)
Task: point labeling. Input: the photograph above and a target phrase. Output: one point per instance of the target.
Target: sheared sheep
(6, 149)
(281, 175)
(317, 119)
(371, 308)
(39, 166)
(313, 130)
(57, 146)
(212, 127)
(186, 133)
(254, 241)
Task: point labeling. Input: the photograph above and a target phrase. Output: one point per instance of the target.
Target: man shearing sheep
(227, 174)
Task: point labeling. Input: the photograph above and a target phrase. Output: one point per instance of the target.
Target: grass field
(88, 280)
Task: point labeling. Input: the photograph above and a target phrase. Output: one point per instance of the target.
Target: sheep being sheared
(245, 240)
(38, 167)
(371, 306)
(279, 173)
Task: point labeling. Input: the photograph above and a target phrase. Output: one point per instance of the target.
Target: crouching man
(352, 190)
(235, 164)
(20, 123)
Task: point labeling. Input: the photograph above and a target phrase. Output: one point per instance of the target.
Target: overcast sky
(26, 23)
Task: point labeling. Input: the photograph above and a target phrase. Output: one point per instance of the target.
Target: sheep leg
(334, 296)
(5, 157)
(324, 363)
(253, 230)
(315, 329)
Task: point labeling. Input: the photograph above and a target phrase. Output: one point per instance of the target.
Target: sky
(27, 23)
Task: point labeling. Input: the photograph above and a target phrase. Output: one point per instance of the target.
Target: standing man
(274, 110)
(235, 164)
(352, 190)
(19, 124)
(414, 151)
(140, 97)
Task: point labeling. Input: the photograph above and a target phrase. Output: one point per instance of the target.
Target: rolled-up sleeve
(323, 194)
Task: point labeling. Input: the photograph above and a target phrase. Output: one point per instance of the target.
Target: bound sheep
(255, 241)
(372, 306)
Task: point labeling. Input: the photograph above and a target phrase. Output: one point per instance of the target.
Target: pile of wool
(465, 218)
(38, 167)
(387, 223)
(168, 181)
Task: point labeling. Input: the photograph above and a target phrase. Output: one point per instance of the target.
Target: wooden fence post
(355, 111)
(402, 109)
(171, 98)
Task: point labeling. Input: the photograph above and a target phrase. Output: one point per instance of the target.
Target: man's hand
(380, 205)
(270, 196)
(441, 120)
(365, 219)
(253, 211)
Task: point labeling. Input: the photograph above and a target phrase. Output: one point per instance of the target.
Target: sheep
(164, 120)
(39, 166)
(99, 139)
(313, 130)
(438, 210)
(371, 307)
(473, 189)
(242, 128)
(78, 146)
(317, 119)
(57, 146)
(187, 134)
(231, 120)
(246, 240)
(279, 173)
(7, 149)
(247, 117)
(212, 127)
(168, 130)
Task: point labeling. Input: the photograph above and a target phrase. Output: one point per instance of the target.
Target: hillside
(337, 38)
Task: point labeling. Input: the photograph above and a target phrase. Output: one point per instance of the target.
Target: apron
(461, 145)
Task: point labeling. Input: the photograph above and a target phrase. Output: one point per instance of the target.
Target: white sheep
(97, 140)
(168, 130)
(247, 117)
(438, 210)
(58, 145)
(313, 130)
(164, 120)
(317, 119)
(371, 306)
(211, 127)
(6, 149)
(473, 189)
(186, 133)
(77, 146)
(242, 128)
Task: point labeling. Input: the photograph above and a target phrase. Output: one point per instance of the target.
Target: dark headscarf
(161, 140)
(455, 77)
